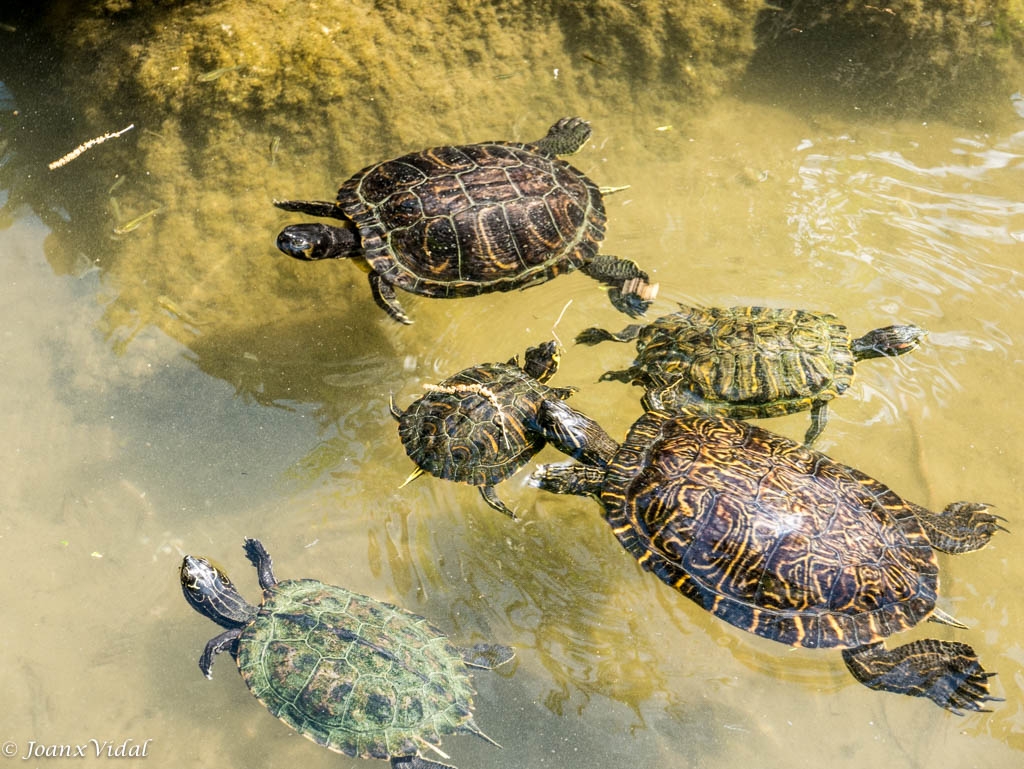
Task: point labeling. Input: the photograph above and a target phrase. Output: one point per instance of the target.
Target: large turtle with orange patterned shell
(457, 221)
(356, 675)
(782, 541)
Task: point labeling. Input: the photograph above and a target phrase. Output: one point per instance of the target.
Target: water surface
(136, 430)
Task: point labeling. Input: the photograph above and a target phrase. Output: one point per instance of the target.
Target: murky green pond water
(123, 450)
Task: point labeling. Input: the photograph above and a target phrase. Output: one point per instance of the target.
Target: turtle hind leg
(491, 498)
(960, 528)
(595, 335)
(385, 297)
(487, 656)
(629, 290)
(565, 137)
(945, 672)
(819, 418)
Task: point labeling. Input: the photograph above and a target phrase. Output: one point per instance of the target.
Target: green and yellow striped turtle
(750, 362)
(353, 674)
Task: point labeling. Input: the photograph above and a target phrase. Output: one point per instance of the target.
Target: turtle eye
(295, 244)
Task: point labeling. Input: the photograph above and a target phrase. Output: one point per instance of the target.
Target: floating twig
(88, 146)
(557, 321)
(216, 74)
(127, 227)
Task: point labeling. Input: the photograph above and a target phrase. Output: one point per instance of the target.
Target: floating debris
(127, 227)
(117, 183)
(557, 321)
(215, 74)
(663, 128)
(88, 146)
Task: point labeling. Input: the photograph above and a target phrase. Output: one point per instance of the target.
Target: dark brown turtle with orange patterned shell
(457, 221)
(782, 541)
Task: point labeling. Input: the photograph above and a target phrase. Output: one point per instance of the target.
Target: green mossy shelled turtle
(457, 221)
(782, 541)
(749, 362)
(484, 423)
(353, 674)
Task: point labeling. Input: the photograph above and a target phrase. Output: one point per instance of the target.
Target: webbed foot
(945, 672)
(565, 137)
(961, 527)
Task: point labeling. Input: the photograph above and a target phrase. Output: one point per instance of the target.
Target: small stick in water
(557, 321)
(88, 146)
(127, 227)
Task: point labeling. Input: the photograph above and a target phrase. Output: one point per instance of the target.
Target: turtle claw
(491, 498)
(947, 673)
(961, 527)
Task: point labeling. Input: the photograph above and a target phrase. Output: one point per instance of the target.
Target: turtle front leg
(945, 672)
(629, 290)
(225, 641)
(260, 558)
(311, 207)
(960, 528)
(491, 498)
(565, 137)
(385, 297)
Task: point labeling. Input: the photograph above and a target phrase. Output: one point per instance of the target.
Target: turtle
(750, 362)
(787, 543)
(456, 221)
(356, 675)
(487, 421)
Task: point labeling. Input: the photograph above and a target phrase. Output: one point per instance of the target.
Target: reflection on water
(195, 389)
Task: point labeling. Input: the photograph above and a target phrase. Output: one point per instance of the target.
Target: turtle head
(569, 478)
(541, 362)
(887, 342)
(209, 591)
(312, 242)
